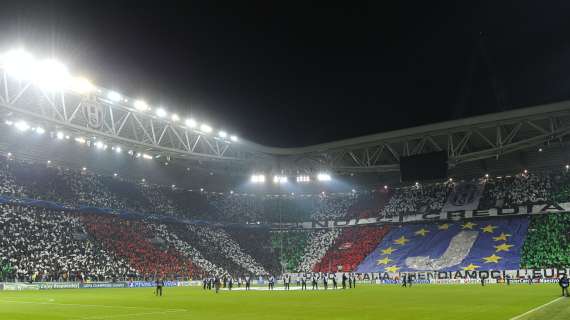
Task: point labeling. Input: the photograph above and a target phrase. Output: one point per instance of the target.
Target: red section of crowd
(131, 240)
(351, 247)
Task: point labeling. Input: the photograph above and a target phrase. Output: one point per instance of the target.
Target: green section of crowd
(290, 247)
(547, 244)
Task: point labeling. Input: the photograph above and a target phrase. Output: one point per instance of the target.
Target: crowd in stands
(317, 246)
(417, 198)
(257, 243)
(350, 248)
(50, 245)
(162, 232)
(548, 242)
(289, 247)
(219, 241)
(133, 240)
(515, 190)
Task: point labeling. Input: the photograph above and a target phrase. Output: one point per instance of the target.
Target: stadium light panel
(22, 126)
(115, 174)
(258, 178)
(80, 140)
(324, 177)
(303, 179)
(234, 138)
(40, 130)
(190, 123)
(118, 149)
(82, 85)
(222, 134)
(52, 75)
(99, 145)
(280, 179)
(8, 122)
(18, 64)
(161, 112)
(140, 105)
(175, 117)
(114, 96)
(84, 168)
(147, 156)
(205, 128)
(60, 135)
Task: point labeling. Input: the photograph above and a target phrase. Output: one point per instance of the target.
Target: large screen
(424, 167)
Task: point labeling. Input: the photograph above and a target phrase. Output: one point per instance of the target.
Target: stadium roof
(106, 119)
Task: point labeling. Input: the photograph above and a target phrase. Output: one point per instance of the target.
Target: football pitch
(464, 302)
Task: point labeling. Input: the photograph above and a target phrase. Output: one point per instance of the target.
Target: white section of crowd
(220, 240)
(42, 241)
(319, 242)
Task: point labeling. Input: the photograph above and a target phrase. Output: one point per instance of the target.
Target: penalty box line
(535, 309)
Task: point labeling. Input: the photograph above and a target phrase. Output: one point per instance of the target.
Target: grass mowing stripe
(88, 305)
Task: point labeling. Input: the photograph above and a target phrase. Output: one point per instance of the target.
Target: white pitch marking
(535, 309)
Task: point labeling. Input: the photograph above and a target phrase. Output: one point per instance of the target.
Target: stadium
(112, 207)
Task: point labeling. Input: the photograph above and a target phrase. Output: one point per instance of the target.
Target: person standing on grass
(247, 283)
(159, 285)
(230, 283)
(404, 281)
(325, 281)
(217, 283)
(314, 282)
(304, 282)
(344, 278)
(564, 282)
(334, 281)
(354, 281)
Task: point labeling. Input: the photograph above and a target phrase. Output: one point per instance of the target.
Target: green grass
(440, 302)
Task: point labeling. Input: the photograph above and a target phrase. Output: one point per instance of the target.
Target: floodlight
(99, 145)
(147, 156)
(175, 117)
(258, 178)
(234, 138)
(323, 177)
(118, 149)
(205, 128)
(40, 130)
(222, 134)
(8, 122)
(280, 179)
(115, 174)
(60, 135)
(114, 96)
(82, 85)
(51, 74)
(190, 123)
(161, 112)
(303, 179)
(22, 126)
(84, 168)
(140, 105)
(18, 64)
(80, 140)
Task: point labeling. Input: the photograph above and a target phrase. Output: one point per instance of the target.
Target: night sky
(296, 73)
